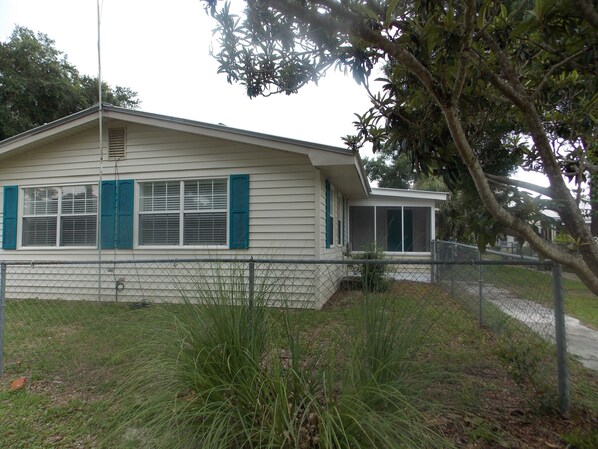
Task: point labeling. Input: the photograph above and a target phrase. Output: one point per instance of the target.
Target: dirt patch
(342, 299)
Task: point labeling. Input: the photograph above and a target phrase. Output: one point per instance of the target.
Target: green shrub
(370, 271)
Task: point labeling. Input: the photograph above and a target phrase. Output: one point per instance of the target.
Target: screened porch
(395, 229)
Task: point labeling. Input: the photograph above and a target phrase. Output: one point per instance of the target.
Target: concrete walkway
(582, 341)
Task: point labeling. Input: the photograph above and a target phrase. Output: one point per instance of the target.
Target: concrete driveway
(582, 341)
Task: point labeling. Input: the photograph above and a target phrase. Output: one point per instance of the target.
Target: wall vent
(116, 142)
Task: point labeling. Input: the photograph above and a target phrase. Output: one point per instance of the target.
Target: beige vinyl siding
(282, 209)
(329, 276)
(284, 285)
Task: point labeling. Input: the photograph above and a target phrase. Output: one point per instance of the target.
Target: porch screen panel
(389, 228)
(361, 227)
(417, 229)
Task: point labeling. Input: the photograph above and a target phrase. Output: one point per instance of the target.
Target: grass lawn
(580, 302)
(75, 356)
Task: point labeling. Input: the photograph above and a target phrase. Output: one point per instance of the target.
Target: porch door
(408, 237)
(394, 228)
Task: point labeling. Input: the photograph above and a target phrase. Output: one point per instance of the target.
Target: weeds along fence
(54, 314)
(518, 297)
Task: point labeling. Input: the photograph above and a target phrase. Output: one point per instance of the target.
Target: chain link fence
(54, 314)
(520, 298)
(499, 287)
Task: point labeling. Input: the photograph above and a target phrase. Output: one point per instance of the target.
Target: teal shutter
(107, 210)
(126, 204)
(239, 212)
(343, 241)
(9, 217)
(328, 218)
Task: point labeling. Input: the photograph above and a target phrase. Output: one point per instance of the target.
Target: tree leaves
(39, 85)
(462, 81)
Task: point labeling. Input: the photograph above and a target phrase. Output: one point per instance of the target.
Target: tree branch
(549, 249)
(518, 183)
(463, 59)
(507, 90)
(347, 23)
(546, 77)
(503, 61)
(567, 207)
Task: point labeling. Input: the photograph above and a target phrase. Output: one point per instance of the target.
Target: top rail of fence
(490, 251)
(473, 261)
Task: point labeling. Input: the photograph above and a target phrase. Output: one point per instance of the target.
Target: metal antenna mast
(101, 136)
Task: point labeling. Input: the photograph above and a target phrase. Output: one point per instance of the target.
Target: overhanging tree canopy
(528, 63)
(38, 84)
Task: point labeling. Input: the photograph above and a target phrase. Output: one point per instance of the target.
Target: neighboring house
(547, 229)
(170, 188)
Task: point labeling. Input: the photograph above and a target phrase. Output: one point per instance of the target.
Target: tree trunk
(593, 181)
(547, 249)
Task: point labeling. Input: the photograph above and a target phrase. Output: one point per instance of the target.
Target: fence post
(453, 251)
(251, 281)
(432, 266)
(481, 288)
(561, 339)
(251, 293)
(2, 301)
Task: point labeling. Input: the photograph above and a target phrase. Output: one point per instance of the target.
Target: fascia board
(405, 193)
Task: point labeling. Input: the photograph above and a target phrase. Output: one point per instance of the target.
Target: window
(179, 213)
(60, 216)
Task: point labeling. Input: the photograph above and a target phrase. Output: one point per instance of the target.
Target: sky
(162, 51)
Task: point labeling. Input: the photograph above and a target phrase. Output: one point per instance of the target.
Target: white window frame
(181, 213)
(58, 215)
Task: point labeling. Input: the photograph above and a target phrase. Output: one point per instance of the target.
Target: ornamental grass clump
(232, 374)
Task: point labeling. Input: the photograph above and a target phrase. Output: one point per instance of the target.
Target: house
(547, 227)
(169, 188)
